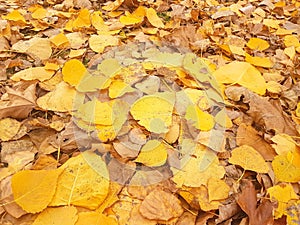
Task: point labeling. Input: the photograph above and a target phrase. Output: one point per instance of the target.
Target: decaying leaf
(161, 205)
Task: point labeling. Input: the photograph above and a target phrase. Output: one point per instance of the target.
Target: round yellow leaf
(285, 170)
(73, 71)
(34, 189)
(99, 42)
(248, 158)
(153, 112)
(153, 153)
(34, 73)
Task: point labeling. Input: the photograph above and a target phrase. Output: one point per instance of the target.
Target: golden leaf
(74, 184)
(242, 73)
(94, 218)
(73, 72)
(8, 128)
(201, 120)
(57, 216)
(248, 158)
(258, 44)
(153, 18)
(34, 73)
(34, 189)
(153, 153)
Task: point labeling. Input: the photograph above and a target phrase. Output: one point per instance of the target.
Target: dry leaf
(242, 73)
(248, 158)
(160, 205)
(34, 73)
(8, 128)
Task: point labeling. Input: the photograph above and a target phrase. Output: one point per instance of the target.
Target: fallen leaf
(94, 218)
(54, 101)
(258, 44)
(8, 128)
(79, 172)
(153, 18)
(153, 153)
(33, 73)
(201, 120)
(83, 19)
(57, 216)
(259, 61)
(73, 71)
(242, 73)
(30, 187)
(248, 158)
(265, 112)
(285, 170)
(217, 189)
(160, 205)
(99, 42)
(16, 16)
(153, 112)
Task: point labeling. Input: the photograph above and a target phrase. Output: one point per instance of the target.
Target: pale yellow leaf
(242, 73)
(99, 42)
(9, 128)
(153, 112)
(201, 120)
(33, 73)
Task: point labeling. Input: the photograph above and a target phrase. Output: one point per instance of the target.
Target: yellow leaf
(60, 40)
(282, 193)
(83, 182)
(217, 189)
(285, 170)
(57, 216)
(33, 73)
(97, 20)
(97, 112)
(54, 100)
(94, 218)
(291, 40)
(283, 144)
(274, 87)
(76, 53)
(34, 189)
(15, 15)
(8, 128)
(290, 52)
(298, 110)
(119, 88)
(51, 66)
(258, 44)
(259, 61)
(99, 42)
(223, 119)
(109, 67)
(197, 166)
(154, 19)
(73, 71)
(153, 112)
(242, 73)
(153, 153)
(249, 159)
(39, 13)
(272, 23)
(136, 17)
(292, 212)
(38, 47)
(237, 50)
(83, 19)
(201, 120)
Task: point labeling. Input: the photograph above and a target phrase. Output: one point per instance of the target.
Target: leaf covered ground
(149, 112)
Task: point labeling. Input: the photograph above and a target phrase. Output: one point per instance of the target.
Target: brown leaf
(161, 205)
(18, 101)
(247, 135)
(247, 200)
(265, 112)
